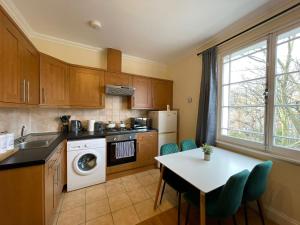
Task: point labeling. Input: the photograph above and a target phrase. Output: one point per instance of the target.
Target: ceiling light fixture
(95, 24)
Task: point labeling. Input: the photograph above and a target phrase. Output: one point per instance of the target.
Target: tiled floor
(122, 201)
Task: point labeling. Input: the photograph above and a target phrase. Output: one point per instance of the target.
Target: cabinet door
(147, 148)
(142, 98)
(162, 93)
(119, 79)
(86, 87)
(30, 73)
(54, 78)
(49, 191)
(12, 91)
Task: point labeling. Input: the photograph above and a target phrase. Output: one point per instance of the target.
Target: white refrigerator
(166, 124)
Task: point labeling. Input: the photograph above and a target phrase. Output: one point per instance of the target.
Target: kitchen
(69, 122)
(111, 114)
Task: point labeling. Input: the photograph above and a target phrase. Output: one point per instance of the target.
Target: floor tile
(151, 189)
(103, 220)
(130, 178)
(119, 201)
(113, 189)
(142, 174)
(145, 209)
(96, 194)
(147, 180)
(97, 209)
(72, 200)
(126, 216)
(138, 195)
(114, 181)
(132, 186)
(73, 216)
(154, 172)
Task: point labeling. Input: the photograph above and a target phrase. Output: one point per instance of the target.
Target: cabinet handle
(43, 95)
(24, 90)
(28, 91)
(103, 99)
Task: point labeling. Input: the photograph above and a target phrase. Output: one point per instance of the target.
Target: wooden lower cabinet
(30, 195)
(147, 148)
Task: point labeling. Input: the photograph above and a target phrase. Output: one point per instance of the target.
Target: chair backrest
(168, 149)
(231, 195)
(187, 145)
(257, 181)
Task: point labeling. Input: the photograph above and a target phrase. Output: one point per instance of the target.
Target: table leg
(202, 209)
(158, 187)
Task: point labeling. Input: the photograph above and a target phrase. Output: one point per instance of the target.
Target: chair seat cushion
(176, 182)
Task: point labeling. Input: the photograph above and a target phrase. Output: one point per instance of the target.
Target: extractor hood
(119, 90)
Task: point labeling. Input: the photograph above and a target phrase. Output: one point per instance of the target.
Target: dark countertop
(38, 156)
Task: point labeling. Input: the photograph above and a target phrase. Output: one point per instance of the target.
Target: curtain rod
(256, 25)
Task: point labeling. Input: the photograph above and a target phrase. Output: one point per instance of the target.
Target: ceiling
(158, 30)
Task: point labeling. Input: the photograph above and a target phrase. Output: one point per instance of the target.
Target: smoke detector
(95, 24)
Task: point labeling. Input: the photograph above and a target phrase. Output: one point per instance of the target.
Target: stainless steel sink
(36, 140)
(34, 144)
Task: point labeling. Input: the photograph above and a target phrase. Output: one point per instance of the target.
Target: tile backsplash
(47, 119)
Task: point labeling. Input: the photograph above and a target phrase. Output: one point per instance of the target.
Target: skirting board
(275, 216)
(279, 217)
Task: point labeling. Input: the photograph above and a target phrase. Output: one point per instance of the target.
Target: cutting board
(7, 154)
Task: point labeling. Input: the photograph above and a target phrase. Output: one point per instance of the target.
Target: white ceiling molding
(19, 19)
(66, 42)
(17, 16)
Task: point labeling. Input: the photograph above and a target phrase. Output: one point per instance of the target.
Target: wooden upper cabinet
(30, 74)
(86, 87)
(10, 81)
(54, 78)
(142, 98)
(119, 79)
(162, 93)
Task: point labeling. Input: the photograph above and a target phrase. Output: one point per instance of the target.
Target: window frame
(268, 145)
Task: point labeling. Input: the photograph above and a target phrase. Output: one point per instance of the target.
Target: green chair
(256, 186)
(223, 202)
(172, 179)
(187, 145)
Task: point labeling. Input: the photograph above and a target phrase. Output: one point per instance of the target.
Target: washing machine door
(85, 163)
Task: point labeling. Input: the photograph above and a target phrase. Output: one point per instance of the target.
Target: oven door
(112, 154)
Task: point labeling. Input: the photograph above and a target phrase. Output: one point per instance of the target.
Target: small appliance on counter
(99, 127)
(65, 119)
(111, 125)
(140, 123)
(91, 125)
(76, 126)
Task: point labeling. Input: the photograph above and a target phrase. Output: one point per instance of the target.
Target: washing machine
(86, 163)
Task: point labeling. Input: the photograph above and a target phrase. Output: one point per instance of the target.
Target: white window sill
(255, 153)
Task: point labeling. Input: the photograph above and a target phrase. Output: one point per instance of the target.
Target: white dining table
(204, 175)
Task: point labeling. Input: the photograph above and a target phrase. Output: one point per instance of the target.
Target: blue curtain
(207, 111)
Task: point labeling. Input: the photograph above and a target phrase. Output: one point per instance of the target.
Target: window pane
(287, 127)
(244, 122)
(243, 104)
(248, 67)
(246, 93)
(287, 91)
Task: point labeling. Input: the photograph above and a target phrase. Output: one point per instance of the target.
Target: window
(286, 122)
(254, 111)
(243, 86)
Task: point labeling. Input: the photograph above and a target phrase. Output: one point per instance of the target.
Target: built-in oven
(121, 149)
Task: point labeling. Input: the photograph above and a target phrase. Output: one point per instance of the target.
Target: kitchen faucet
(22, 133)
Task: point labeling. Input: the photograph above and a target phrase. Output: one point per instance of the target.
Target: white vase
(207, 157)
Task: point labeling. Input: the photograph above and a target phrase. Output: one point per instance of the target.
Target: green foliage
(207, 149)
